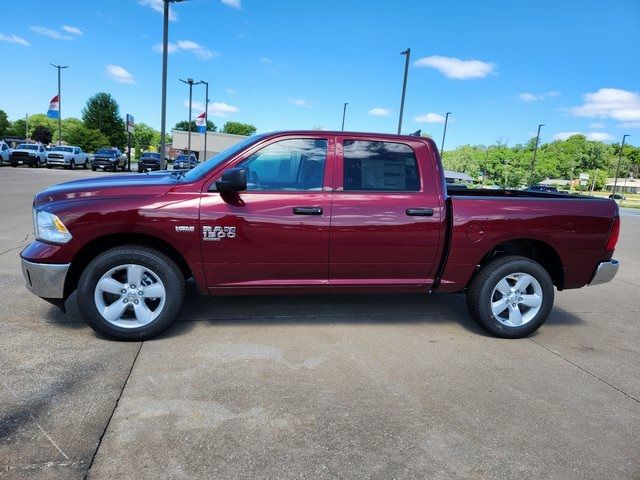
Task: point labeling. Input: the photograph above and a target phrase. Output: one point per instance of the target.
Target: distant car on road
(5, 153)
(185, 162)
(542, 188)
(67, 157)
(32, 154)
(109, 159)
(149, 161)
(617, 196)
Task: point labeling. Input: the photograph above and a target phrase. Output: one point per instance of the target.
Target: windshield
(24, 146)
(213, 162)
(150, 155)
(104, 151)
(62, 149)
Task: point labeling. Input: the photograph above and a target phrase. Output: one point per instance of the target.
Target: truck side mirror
(232, 180)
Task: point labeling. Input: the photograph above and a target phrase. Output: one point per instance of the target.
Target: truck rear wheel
(131, 293)
(511, 297)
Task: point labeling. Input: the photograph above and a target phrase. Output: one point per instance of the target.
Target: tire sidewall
(523, 265)
(155, 261)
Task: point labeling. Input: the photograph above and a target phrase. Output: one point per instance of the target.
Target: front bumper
(46, 280)
(605, 271)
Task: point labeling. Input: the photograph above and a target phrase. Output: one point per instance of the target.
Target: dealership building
(216, 143)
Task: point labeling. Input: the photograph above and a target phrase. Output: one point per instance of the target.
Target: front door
(276, 233)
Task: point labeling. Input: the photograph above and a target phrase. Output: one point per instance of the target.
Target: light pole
(344, 113)
(615, 182)
(165, 46)
(486, 162)
(535, 150)
(206, 114)
(444, 133)
(59, 67)
(189, 81)
(407, 54)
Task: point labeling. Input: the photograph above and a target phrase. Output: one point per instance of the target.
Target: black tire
(49, 167)
(84, 165)
(166, 270)
(14, 164)
(93, 169)
(482, 289)
(72, 165)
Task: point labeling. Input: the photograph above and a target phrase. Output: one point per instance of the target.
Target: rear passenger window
(379, 166)
(296, 164)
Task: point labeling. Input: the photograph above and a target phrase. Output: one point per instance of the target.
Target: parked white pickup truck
(67, 157)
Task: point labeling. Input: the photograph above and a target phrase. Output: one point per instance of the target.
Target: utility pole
(206, 115)
(535, 150)
(26, 127)
(486, 162)
(189, 81)
(407, 54)
(344, 112)
(59, 67)
(444, 133)
(615, 182)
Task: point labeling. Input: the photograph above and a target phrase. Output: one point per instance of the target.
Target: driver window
(296, 164)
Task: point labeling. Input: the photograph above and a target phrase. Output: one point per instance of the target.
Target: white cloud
(599, 136)
(380, 112)
(628, 125)
(265, 60)
(565, 135)
(230, 91)
(216, 109)
(72, 30)
(13, 39)
(614, 103)
(301, 102)
(47, 32)
(455, 68)
(119, 74)
(198, 50)
(533, 97)
(597, 126)
(429, 118)
(232, 3)
(158, 6)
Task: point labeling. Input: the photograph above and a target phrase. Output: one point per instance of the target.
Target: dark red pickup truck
(312, 212)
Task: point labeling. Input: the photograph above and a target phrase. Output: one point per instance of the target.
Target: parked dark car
(149, 161)
(184, 162)
(109, 159)
(542, 188)
(617, 196)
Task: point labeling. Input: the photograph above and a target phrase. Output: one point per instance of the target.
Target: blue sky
(500, 67)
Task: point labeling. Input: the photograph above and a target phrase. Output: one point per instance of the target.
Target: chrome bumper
(605, 271)
(45, 280)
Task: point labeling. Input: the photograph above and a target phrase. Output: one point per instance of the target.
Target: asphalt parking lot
(363, 386)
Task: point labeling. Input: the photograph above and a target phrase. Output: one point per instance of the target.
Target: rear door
(386, 220)
(276, 233)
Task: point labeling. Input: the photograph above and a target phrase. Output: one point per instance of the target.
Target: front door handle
(307, 210)
(419, 212)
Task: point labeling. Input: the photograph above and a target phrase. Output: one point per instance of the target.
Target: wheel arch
(101, 244)
(536, 250)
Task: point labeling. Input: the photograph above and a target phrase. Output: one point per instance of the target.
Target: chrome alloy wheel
(130, 296)
(516, 299)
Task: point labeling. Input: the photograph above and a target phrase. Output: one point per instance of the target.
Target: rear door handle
(419, 212)
(307, 210)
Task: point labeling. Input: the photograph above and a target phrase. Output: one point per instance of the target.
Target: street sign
(130, 123)
(584, 176)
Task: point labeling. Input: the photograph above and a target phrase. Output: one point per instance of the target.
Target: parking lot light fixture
(189, 81)
(206, 114)
(407, 54)
(444, 133)
(163, 116)
(344, 113)
(615, 180)
(535, 150)
(59, 67)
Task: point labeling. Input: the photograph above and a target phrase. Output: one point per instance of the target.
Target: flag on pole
(201, 123)
(54, 108)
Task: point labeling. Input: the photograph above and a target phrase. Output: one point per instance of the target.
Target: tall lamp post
(206, 114)
(615, 182)
(189, 81)
(344, 113)
(535, 150)
(165, 46)
(407, 54)
(444, 133)
(59, 67)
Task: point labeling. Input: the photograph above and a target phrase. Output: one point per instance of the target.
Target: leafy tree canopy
(102, 113)
(184, 125)
(238, 128)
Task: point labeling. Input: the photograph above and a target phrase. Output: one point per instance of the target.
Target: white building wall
(216, 142)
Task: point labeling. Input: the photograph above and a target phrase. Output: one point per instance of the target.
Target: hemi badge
(185, 228)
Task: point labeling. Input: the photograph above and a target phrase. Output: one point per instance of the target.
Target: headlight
(49, 228)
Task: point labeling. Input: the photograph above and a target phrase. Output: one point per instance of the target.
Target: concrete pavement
(396, 386)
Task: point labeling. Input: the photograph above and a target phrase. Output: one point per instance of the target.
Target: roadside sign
(130, 123)
(584, 176)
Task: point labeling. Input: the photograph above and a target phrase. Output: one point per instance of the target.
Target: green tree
(184, 125)
(102, 113)
(5, 124)
(42, 134)
(17, 128)
(237, 128)
(89, 139)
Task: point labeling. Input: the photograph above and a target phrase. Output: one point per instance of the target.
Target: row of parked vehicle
(69, 157)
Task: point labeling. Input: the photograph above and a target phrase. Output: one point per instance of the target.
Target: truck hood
(150, 184)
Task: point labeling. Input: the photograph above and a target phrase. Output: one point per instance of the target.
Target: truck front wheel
(130, 293)
(511, 297)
